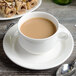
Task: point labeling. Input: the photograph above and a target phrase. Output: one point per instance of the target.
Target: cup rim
(30, 18)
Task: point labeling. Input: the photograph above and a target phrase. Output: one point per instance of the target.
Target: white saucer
(37, 62)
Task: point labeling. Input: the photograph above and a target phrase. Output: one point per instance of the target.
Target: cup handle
(62, 36)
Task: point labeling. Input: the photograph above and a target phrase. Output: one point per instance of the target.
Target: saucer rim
(71, 50)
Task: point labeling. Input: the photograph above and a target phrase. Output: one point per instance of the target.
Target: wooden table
(66, 16)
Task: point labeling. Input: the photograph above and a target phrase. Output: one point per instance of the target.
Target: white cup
(39, 46)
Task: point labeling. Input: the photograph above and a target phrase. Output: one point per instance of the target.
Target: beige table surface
(66, 16)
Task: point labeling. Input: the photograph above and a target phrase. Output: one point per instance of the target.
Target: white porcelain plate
(16, 16)
(37, 62)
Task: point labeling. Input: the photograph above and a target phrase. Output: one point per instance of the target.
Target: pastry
(31, 4)
(7, 9)
(20, 6)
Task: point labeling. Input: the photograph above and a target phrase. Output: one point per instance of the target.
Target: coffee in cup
(38, 28)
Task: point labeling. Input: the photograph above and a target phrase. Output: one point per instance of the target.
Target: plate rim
(17, 16)
(71, 50)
